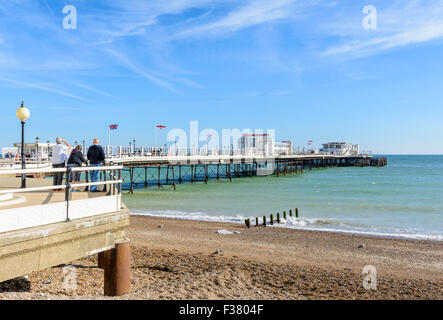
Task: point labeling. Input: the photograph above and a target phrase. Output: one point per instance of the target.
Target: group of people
(9, 155)
(64, 155)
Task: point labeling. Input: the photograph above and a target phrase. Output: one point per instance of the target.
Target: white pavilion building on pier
(340, 148)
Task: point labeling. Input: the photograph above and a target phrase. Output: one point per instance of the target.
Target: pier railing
(14, 162)
(22, 213)
(113, 152)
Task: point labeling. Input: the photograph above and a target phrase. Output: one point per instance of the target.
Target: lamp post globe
(23, 114)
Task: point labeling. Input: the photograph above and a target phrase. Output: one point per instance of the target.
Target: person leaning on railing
(59, 157)
(96, 157)
(76, 159)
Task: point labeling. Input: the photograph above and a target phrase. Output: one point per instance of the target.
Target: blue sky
(307, 69)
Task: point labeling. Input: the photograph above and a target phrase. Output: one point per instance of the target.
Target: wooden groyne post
(117, 269)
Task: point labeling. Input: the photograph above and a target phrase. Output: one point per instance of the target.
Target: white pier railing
(27, 215)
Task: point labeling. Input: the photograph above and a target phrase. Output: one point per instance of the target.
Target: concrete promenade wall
(31, 249)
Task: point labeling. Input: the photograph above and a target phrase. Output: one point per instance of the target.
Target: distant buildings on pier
(340, 148)
(262, 144)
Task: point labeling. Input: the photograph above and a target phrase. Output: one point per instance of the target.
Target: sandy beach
(177, 259)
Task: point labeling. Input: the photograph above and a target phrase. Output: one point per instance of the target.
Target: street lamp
(207, 143)
(37, 140)
(130, 149)
(48, 148)
(133, 145)
(23, 114)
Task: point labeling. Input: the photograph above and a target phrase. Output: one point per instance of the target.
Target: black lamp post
(130, 148)
(37, 140)
(48, 149)
(84, 149)
(23, 114)
(133, 142)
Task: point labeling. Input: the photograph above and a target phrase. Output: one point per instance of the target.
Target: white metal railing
(118, 152)
(11, 162)
(114, 182)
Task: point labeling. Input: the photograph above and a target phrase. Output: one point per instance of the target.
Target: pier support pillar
(117, 267)
(101, 259)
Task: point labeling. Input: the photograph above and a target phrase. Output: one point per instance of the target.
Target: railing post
(87, 179)
(67, 191)
(113, 179)
(119, 177)
(105, 189)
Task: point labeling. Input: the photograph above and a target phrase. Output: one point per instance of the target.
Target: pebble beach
(180, 259)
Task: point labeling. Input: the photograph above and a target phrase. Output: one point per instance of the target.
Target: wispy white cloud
(432, 31)
(254, 13)
(130, 18)
(47, 6)
(92, 89)
(403, 23)
(145, 74)
(42, 87)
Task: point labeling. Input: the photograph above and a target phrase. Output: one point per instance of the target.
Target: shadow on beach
(16, 285)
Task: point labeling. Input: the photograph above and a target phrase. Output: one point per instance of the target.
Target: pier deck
(169, 170)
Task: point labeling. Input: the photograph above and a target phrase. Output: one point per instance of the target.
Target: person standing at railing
(96, 157)
(76, 159)
(59, 158)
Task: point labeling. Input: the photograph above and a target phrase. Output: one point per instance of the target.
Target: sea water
(403, 199)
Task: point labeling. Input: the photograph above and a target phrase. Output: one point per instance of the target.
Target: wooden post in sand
(284, 215)
(117, 269)
(248, 223)
(272, 219)
(296, 212)
(278, 217)
(256, 221)
(290, 212)
(264, 221)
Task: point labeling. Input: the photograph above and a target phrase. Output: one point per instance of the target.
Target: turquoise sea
(403, 199)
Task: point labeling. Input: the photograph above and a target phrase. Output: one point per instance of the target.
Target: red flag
(113, 126)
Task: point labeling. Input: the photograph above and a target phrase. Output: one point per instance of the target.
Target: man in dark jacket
(96, 157)
(76, 159)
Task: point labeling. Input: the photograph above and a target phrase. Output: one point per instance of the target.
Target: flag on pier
(113, 126)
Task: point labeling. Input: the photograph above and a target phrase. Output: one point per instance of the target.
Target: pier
(172, 170)
(41, 227)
